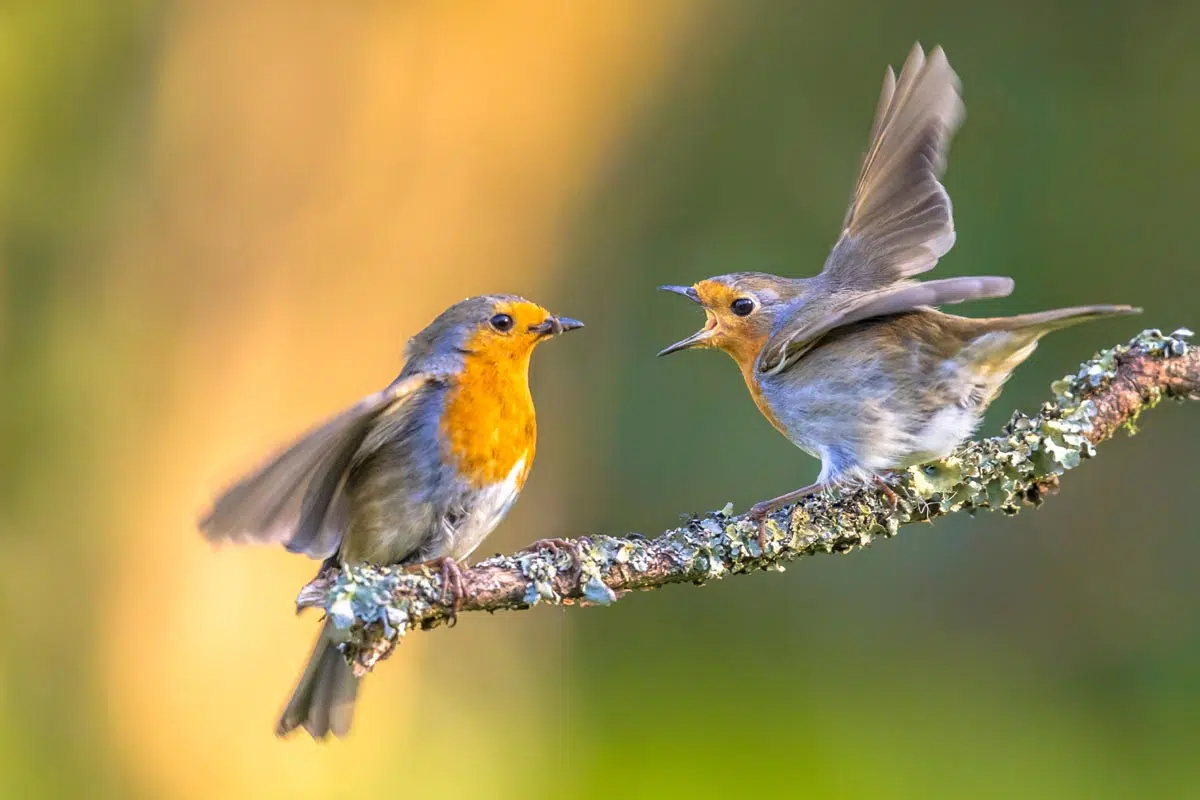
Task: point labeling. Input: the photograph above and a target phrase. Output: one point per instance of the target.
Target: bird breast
(489, 424)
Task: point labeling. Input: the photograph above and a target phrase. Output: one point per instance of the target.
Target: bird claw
(761, 510)
(452, 586)
(759, 514)
(313, 593)
(892, 498)
(557, 545)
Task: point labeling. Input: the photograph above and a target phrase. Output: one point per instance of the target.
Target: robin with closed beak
(855, 365)
(420, 472)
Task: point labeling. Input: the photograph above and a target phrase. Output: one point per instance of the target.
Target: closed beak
(700, 337)
(553, 326)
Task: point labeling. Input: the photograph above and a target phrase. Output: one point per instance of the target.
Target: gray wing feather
(900, 220)
(799, 333)
(294, 498)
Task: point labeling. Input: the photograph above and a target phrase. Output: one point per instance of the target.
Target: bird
(418, 473)
(856, 365)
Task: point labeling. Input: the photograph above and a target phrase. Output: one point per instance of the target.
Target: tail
(1039, 324)
(323, 701)
(997, 346)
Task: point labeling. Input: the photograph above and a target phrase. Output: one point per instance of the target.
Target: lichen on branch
(375, 607)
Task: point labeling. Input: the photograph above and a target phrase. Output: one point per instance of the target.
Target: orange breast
(744, 349)
(757, 394)
(489, 419)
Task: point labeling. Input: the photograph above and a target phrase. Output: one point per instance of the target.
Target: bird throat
(744, 352)
(489, 421)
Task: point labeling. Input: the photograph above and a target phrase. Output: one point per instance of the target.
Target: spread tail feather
(1044, 322)
(323, 701)
(997, 346)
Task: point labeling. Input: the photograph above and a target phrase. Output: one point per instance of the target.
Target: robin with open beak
(420, 472)
(855, 365)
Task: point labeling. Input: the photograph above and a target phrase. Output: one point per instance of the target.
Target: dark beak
(556, 325)
(686, 291)
(698, 338)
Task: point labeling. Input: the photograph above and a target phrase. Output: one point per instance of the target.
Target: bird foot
(452, 586)
(892, 498)
(760, 511)
(759, 514)
(557, 545)
(314, 591)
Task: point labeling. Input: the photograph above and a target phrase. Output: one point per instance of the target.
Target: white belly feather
(489, 509)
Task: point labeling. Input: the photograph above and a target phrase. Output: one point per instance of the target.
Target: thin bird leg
(892, 498)
(557, 545)
(760, 510)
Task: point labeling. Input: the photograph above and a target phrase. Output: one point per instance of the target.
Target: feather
(288, 499)
(796, 335)
(900, 220)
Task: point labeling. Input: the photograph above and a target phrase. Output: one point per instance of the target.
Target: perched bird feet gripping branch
(760, 511)
(452, 585)
(888, 492)
(557, 546)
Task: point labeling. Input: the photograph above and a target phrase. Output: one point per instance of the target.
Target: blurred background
(220, 221)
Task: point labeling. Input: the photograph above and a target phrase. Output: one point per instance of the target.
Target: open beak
(698, 338)
(686, 291)
(701, 336)
(553, 326)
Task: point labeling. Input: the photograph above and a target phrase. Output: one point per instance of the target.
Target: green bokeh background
(1052, 655)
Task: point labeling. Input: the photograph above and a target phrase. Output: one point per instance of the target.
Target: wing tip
(889, 82)
(999, 286)
(915, 59)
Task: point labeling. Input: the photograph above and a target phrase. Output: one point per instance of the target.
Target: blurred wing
(797, 335)
(900, 220)
(293, 498)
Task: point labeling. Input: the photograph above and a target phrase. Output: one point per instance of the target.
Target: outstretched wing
(799, 333)
(292, 499)
(900, 220)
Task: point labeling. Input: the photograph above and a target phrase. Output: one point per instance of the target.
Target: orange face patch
(714, 294)
(741, 337)
(519, 341)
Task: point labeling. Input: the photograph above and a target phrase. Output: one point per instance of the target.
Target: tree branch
(376, 606)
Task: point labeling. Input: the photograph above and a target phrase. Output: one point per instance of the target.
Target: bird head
(741, 308)
(500, 327)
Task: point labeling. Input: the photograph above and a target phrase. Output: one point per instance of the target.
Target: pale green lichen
(541, 572)
(596, 591)
(376, 607)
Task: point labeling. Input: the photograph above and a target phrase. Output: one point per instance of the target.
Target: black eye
(502, 323)
(742, 306)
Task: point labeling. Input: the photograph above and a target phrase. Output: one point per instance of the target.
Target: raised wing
(900, 220)
(799, 333)
(292, 499)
